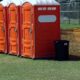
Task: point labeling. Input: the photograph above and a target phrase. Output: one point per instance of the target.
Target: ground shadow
(71, 58)
(74, 58)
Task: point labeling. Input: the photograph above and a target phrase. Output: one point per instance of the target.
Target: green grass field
(69, 26)
(16, 68)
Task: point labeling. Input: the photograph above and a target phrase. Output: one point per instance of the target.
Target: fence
(70, 13)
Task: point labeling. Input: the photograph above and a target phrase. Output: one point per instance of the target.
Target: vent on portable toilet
(40, 28)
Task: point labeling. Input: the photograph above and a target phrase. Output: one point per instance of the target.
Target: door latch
(30, 30)
(15, 29)
(3, 29)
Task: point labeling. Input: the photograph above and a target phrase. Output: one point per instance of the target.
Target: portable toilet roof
(9, 1)
(22, 1)
(17, 2)
(4, 3)
(42, 2)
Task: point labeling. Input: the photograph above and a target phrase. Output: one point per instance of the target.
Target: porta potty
(3, 27)
(13, 28)
(40, 28)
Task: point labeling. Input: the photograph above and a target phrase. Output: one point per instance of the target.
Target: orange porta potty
(40, 28)
(14, 27)
(3, 27)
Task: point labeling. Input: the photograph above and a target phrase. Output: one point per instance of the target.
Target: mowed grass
(16, 68)
(69, 26)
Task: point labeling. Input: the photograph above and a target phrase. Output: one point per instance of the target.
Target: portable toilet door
(26, 35)
(3, 26)
(47, 30)
(2, 29)
(40, 28)
(14, 27)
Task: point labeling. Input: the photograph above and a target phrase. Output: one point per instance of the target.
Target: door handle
(30, 30)
(3, 29)
(15, 29)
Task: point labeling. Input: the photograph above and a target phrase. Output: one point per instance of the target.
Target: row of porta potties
(29, 27)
